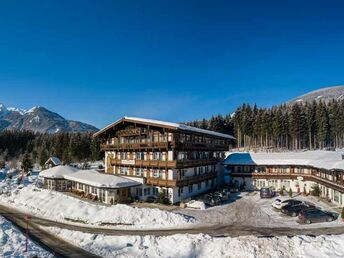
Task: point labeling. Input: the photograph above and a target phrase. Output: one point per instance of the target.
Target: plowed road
(61, 248)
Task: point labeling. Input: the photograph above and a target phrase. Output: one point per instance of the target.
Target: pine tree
(26, 163)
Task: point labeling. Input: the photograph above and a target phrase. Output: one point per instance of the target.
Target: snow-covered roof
(167, 124)
(94, 178)
(319, 159)
(58, 172)
(55, 160)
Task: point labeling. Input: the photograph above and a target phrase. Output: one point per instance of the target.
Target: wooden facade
(160, 154)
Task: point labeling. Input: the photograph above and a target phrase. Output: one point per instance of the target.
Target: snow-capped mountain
(39, 119)
(324, 94)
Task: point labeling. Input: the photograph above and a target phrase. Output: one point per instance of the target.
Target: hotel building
(298, 171)
(179, 160)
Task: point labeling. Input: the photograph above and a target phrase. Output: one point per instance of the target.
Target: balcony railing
(183, 182)
(164, 164)
(135, 146)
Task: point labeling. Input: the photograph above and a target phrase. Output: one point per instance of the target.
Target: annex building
(298, 171)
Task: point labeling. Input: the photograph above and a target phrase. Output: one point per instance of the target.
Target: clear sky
(96, 61)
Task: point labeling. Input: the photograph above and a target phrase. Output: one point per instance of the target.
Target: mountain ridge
(325, 94)
(39, 119)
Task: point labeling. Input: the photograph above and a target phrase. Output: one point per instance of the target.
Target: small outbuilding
(52, 162)
(106, 188)
(53, 178)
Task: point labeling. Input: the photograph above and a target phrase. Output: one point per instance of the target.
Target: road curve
(48, 241)
(232, 230)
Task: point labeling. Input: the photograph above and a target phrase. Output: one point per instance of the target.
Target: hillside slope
(39, 119)
(324, 94)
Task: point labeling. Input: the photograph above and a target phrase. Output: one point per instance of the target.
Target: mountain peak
(39, 119)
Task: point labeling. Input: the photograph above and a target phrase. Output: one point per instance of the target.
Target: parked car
(316, 215)
(279, 204)
(267, 193)
(294, 210)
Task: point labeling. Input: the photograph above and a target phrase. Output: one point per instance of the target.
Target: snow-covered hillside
(39, 119)
(325, 94)
(12, 243)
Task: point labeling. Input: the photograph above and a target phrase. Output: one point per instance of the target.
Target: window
(157, 156)
(155, 191)
(182, 156)
(140, 155)
(180, 191)
(199, 186)
(147, 191)
(190, 188)
(138, 191)
(155, 173)
(123, 170)
(124, 155)
(207, 183)
(139, 172)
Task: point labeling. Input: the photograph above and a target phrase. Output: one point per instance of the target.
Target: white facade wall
(296, 186)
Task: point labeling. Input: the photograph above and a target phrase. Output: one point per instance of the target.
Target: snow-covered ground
(12, 243)
(186, 245)
(251, 210)
(61, 207)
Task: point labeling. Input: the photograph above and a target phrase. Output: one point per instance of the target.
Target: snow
(58, 172)
(19, 110)
(201, 245)
(64, 208)
(196, 205)
(94, 178)
(36, 120)
(31, 110)
(169, 124)
(12, 243)
(319, 159)
(243, 209)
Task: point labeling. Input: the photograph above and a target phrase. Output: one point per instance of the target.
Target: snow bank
(12, 243)
(196, 205)
(205, 246)
(60, 207)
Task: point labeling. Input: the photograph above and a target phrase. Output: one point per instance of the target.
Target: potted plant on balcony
(342, 215)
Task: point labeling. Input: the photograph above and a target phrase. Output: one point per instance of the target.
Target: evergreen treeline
(313, 125)
(69, 147)
(219, 123)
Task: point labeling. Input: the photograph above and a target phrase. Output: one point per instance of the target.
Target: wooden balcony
(163, 164)
(196, 179)
(180, 183)
(161, 182)
(199, 146)
(135, 146)
(144, 163)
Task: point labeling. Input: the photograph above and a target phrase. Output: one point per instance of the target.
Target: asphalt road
(51, 243)
(233, 230)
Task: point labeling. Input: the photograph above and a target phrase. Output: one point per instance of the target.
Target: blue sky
(96, 61)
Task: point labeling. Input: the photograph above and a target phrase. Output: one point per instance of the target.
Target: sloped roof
(176, 126)
(58, 172)
(320, 159)
(94, 178)
(55, 160)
